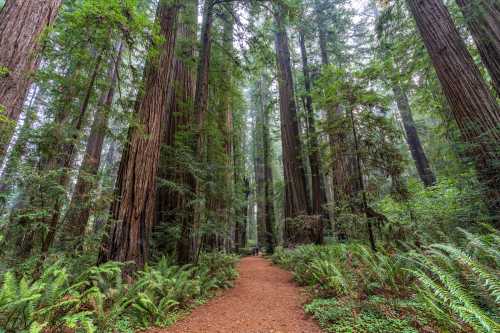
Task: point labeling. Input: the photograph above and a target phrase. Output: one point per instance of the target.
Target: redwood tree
(174, 206)
(483, 19)
(296, 198)
(473, 107)
(133, 210)
(21, 23)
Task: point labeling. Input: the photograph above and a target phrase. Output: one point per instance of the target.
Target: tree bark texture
(21, 24)
(133, 210)
(483, 19)
(173, 206)
(473, 107)
(296, 197)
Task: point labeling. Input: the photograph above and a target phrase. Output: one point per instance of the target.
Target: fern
(452, 294)
(489, 280)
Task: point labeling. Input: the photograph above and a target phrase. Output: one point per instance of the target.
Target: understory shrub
(439, 288)
(98, 300)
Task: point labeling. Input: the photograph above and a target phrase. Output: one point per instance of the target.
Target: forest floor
(263, 300)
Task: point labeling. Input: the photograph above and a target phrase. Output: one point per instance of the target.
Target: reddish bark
(473, 107)
(483, 19)
(173, 206)
(133, 210)
(296, 198)
(21, 24)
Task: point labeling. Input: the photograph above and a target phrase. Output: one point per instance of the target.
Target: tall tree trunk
(483, 19)
(296, 198)
(417, 151)
(80, 206)
(173, 205)
(317, 183)
(473, 107)
(133, 210)
(259, 167)
(228, 121)
(201, 96)
(268, 184)
(201, 102)
(21, 24)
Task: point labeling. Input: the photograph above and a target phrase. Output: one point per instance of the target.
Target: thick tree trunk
(317, 183)
(133, 211)
(173, 206)
(473, 107)
(483, 19)
(21, 24)
(80, 206)
(296, 198)
(201, 96)
(200, 110)
(417, 151)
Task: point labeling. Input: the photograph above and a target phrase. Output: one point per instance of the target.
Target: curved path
(264, 300)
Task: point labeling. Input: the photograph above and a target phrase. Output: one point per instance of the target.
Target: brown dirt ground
(264, 300)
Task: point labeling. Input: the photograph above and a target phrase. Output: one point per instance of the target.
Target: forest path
(263, 300)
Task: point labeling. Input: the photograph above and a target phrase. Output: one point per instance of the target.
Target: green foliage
(4, 71)
(458, 286)
(335, 316)
(451, 202)
(445, 287)
(98, 300)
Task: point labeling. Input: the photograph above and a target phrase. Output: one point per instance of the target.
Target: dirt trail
(264, 300)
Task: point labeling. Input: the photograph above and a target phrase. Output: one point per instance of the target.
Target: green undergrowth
(438, 288)
(99, 299)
